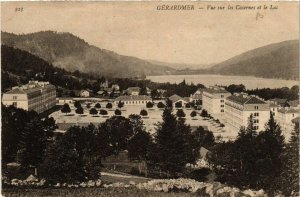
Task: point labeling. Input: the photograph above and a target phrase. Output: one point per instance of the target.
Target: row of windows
(136, 102)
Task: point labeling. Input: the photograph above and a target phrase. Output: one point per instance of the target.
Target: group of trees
(267, 93)
(255, 159)
(174, 145)
(24, 136)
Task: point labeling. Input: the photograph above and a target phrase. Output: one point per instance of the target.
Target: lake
(209, 80)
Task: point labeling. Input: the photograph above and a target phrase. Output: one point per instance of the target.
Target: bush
(178, 105)
(118, 112)
(103, 112)
(97, 105)
(93, 111)
(144, 112)
(204, 113)
(180, 113)
(108, 105)
(66, 108)
(187, 105)
(149, 104)
(77, 104)
(200, 174)
(160, 105)
(193, 114)
(79, 110)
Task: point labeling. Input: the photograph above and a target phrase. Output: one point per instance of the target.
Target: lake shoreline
(250, 82)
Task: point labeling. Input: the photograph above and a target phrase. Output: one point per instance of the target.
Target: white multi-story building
(213, 101)
(238, 109)
(133, 100)
(284, 118)
(37, 96)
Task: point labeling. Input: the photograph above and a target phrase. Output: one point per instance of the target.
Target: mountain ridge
(72, 53)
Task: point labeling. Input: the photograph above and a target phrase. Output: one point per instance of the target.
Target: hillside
(18, 67)
(67, 51)
(279, 60)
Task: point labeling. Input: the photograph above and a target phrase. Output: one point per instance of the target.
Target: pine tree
(289, 177)
(171, 144)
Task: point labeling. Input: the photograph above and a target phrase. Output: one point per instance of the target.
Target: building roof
(81, 91)
(216, 90)
(245, 99)
(175, 98)
(294, 103)
(288, 110)
(278, 100)
(133, 98)
(197, 96)
(296, 120)
(65, 98)
(134, 89)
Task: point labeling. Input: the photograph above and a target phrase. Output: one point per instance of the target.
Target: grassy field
(86, 192)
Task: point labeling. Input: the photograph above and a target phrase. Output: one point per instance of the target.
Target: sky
(199, 36)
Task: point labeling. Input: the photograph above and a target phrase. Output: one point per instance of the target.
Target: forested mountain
(279, 60)
(64, 50)
(18, 67)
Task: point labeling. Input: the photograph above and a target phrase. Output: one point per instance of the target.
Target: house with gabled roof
(175, 99)
(133, 91)
(239, 108)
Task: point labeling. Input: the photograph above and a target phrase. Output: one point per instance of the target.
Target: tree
(149, 104)
(193, 114)
(144, 112)
(143, 91)
(118, 112)
(204, 113)
(120, 104)
(98, 106)
(79, 110)
(120, 130)
(62, 163)
(270, 145)
(178, 104)
(154, 94)
(77, 104)
(289, 177)
(108, 105)
(235, 88)
(66, 108)
(180, 113)
(103, 112)
(204, 138)
(88, 105)
(187, 105)
(138, 146)
(169, 140)
(93, 111)
(160, 105)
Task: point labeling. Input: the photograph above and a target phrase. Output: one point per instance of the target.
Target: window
(255, 121)
(222, 110)
(222, 96)
(15, 104)
(222, 101)
(222, 105)
(256, 107)
(15, 97)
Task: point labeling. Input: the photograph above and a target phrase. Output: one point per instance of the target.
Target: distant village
(230, 111)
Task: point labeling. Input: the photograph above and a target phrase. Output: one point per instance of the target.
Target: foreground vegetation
(83, 192)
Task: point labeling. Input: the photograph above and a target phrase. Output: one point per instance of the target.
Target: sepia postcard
(150, 98)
